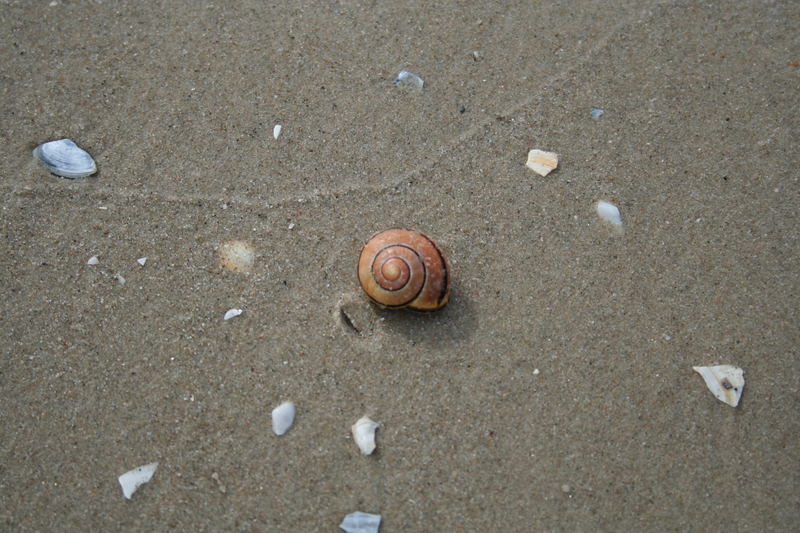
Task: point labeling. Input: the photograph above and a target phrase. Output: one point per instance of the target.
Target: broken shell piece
(142, 260)
(237, 256)
(64, 158)
(93, 261)
(542, 162)
(283, 418)
(133, 479)
(726, 382)
(408, 79)
(364, 434)
(230, 313)
(359, 522)
(597, 113)
(276, 131)
(609, 213)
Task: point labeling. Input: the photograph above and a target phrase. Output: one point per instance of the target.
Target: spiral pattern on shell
(404, 268)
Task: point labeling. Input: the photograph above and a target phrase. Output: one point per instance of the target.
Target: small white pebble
(609, 212)
(283, 417)
(535, 371)
(276, 131)
(142, 260)
(230, 313)
(93, 260)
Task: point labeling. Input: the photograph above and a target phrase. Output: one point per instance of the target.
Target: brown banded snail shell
(404, 268)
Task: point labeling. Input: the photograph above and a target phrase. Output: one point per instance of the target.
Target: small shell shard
(726, 382)
(283, 418)
(408, 79)
(64, 158)
(93, 261)
(276, 131)
(236, 256)
(142, 260)
(609, 213)
(230, 313)
(542, 162)
(359, 522)
(133, 479)
(364, 435)
(597, 113)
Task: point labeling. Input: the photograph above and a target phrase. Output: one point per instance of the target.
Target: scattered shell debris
(237, 256)
(359, 522)
(609, 213)
(364, 434)
(408, 79)
(726, 382)
(133, 479)
(283, 417)
(64, 158)
(142, 260)
(597, 113)
(93, 261)
(230, 313)
(276, 131)
(541, 162)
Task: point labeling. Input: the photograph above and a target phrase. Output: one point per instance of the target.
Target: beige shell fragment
(237, 256)
(364, 434)
(726, 382)
(542, 162)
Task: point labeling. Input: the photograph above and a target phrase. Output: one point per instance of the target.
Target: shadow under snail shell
(404, 268)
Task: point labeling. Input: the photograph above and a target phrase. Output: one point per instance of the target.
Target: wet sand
(615, 432)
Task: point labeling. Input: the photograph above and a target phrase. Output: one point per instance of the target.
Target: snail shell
(404, 268)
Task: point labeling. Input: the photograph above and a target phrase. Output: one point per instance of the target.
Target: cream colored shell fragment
(726, 382)
(542, 162)
(364, 434)
(237, 256)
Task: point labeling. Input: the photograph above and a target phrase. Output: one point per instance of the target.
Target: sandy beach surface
(554, 393)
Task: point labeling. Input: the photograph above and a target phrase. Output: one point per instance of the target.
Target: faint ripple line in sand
(350, 190)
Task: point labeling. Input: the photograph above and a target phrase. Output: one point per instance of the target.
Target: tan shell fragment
(237, 256)
(726, 382)
(542, 162)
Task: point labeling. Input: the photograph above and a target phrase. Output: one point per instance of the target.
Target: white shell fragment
(283, 418)
(237, 256)
(64, 158)
(93, 261)
(408, 79)
(609, 213)
(597, 113)
(726, 382)
(276, 131)
(132, 480)
(230, 313)
(142, 260)
(542, 162)
(364, 434)
(359, 522)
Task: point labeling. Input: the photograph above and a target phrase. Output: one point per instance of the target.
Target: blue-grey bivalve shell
(66, 159)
